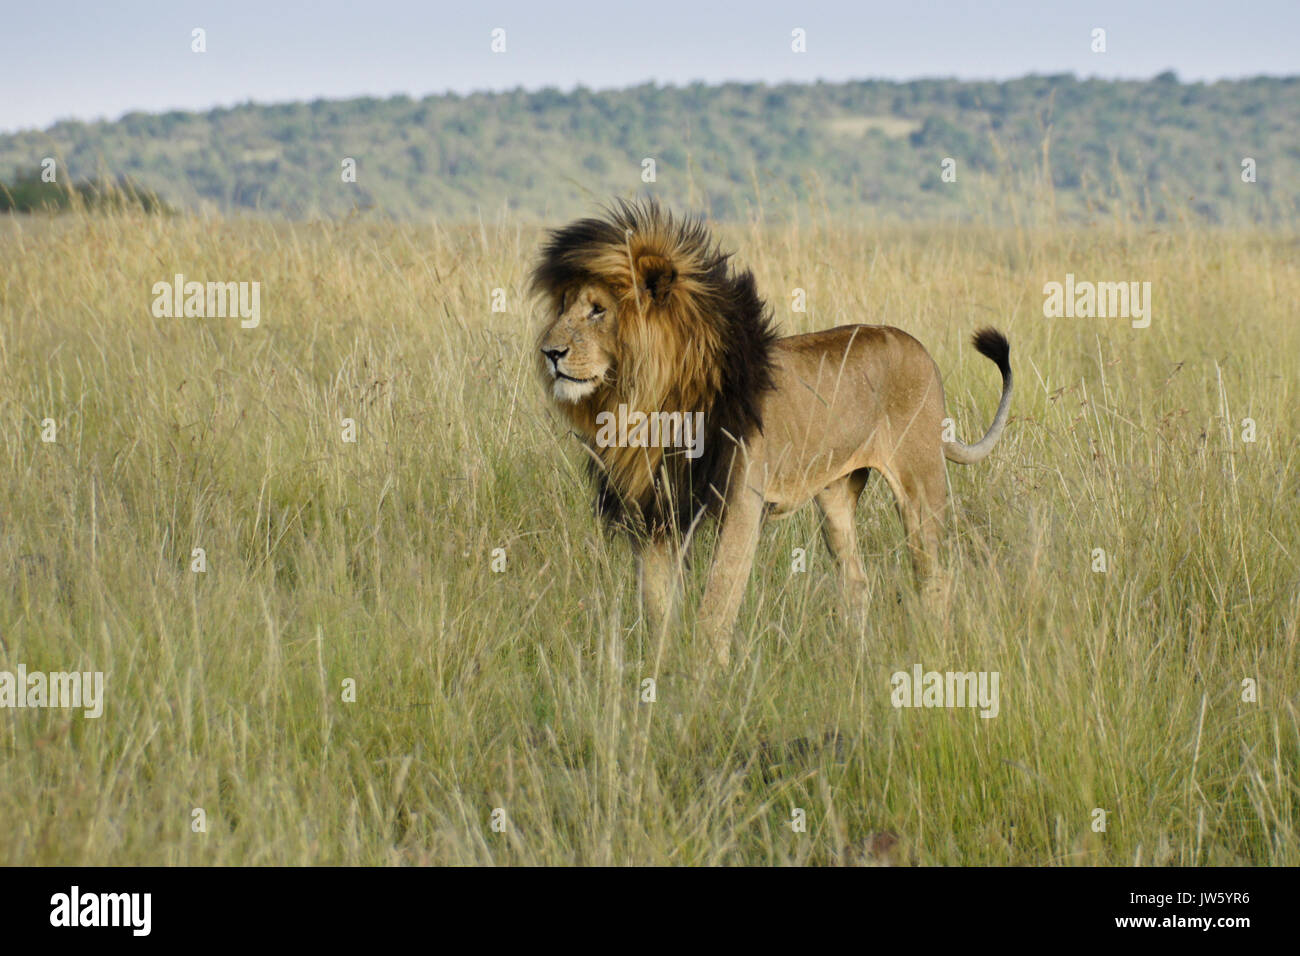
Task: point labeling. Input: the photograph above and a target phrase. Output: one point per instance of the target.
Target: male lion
(645, 315)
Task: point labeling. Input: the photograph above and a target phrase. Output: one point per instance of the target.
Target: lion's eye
(597, 311)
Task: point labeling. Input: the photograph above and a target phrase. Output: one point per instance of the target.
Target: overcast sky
(93, 60)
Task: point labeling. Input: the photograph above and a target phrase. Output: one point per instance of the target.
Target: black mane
(683, 489)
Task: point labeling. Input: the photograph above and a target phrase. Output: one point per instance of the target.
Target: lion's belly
(828, 415)
(789, 473)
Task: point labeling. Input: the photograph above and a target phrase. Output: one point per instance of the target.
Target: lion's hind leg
(920, 486)
(838, 503)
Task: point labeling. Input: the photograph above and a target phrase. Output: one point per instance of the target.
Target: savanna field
(522, 689)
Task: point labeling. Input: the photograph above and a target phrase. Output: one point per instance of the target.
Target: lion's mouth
(570, 378)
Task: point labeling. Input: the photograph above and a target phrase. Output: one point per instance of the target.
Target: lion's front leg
(733, 558)
(659, 581)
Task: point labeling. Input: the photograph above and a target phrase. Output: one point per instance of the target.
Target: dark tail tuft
(992, 344)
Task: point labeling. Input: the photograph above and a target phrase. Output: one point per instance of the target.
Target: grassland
(522, 690)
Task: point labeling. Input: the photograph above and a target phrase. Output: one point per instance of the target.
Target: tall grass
(522, 690)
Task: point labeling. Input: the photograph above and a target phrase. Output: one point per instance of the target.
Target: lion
(649, 327)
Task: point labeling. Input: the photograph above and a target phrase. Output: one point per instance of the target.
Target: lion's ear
(656, 276)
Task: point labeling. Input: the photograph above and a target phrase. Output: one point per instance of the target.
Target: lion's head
(579, 346)
(645, 315)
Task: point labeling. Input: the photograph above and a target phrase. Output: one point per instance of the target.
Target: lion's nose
(555, 354)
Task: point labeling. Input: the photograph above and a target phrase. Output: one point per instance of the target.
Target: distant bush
(28, 192)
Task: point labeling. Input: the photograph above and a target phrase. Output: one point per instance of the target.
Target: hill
(1157, 149)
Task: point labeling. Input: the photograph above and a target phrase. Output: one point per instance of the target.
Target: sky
(97, 60)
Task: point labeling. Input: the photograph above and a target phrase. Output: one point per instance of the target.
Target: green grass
(522, 690)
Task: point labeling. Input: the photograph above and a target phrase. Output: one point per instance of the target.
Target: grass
(522, 690)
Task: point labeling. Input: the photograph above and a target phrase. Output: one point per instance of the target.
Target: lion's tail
(993, 345)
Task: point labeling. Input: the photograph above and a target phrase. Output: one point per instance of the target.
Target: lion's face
(579, 346)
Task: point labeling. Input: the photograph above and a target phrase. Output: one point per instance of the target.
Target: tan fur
(847, 401)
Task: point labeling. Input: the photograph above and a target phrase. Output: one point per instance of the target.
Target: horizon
(671, 85)
(56, 69)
